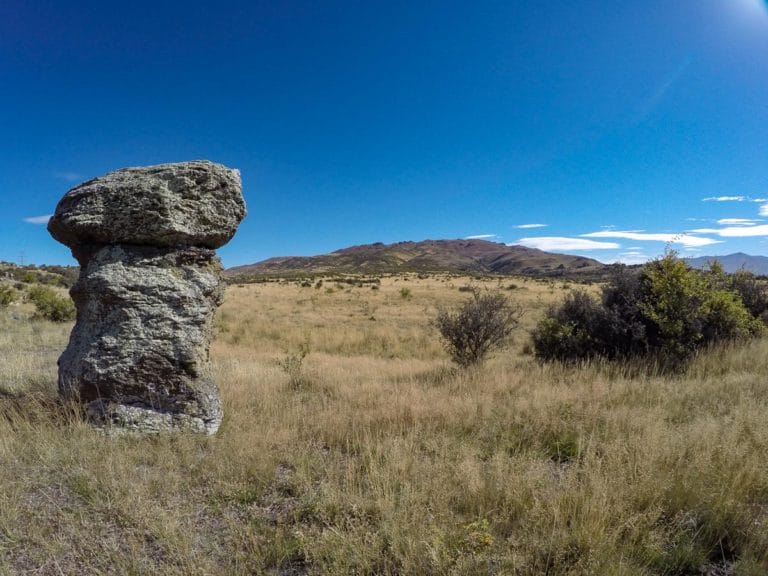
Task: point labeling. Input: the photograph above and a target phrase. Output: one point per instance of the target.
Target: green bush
(666, 309)
(483, 323)
(576, 329)
(7, 295)
(753, 292)
(687, 309)
(50, 306)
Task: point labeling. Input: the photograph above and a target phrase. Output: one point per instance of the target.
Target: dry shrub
(482, 324)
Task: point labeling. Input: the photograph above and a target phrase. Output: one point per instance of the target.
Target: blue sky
(614, 127)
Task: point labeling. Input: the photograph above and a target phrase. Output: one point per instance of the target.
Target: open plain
(350, 445)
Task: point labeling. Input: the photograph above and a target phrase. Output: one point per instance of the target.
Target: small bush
(292, 365)
(7, 295)
(29, 277)
(483, 323)
(405, 293)
(50, 306)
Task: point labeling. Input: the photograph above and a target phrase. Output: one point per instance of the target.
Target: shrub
(573, 330)
(405, 293)
(483, 323)
(50, 306)
(753, 292)
(666, 309)
(7, 295)
(29, 277)
(687, 310)
(292, 365)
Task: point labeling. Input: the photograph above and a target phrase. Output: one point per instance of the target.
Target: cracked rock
(149, 285)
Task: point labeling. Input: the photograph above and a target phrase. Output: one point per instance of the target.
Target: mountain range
(733, 262)
(456, 256)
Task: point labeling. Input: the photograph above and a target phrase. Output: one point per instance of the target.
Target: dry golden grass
(375, 456)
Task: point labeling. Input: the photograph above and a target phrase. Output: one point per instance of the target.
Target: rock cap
(197, 203)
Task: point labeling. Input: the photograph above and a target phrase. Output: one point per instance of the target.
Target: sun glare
(749, 16)
(754, 8)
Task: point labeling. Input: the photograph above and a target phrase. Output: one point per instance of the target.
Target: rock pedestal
(149, 284)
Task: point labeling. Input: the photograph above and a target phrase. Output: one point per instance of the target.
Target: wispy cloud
(548, 243)
(705, 230)
(480, 236)
(38, 219)
(763, 210)
(68, 176)
(682, 239)
(725, 199)
(743, 231)
(527, 226)
(737, 222)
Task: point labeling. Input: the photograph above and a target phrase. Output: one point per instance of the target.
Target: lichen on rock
(149, 285)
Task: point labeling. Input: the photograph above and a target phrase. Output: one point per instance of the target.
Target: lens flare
(758, 7)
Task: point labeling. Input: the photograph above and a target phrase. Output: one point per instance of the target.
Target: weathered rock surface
(187, 204)
(148, 288)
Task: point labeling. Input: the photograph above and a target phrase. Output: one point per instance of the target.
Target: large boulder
(149, 284)
(187, 204)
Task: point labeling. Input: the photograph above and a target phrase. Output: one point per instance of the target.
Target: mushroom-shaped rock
(187, 204)
(149, 284)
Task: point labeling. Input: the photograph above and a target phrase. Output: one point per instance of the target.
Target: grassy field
(351, 446)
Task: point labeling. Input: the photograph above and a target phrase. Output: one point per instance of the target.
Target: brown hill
(456, 256)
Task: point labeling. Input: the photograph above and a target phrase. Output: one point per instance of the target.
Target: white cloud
(704, 231)
(724, 199)
(526, 226)
(480, 237)
(735, 231)
(548, 243)
(38, 219)
(743, 231)
(737, 222)
(764, 210)
(682, 239)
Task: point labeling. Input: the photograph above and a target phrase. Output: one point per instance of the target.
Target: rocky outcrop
(149, 285)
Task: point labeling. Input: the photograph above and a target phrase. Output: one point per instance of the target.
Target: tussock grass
(386, 460)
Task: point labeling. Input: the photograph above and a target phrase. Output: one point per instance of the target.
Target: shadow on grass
(39, 403)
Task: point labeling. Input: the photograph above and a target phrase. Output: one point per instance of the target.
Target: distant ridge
(455, 256)
(734, 262)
